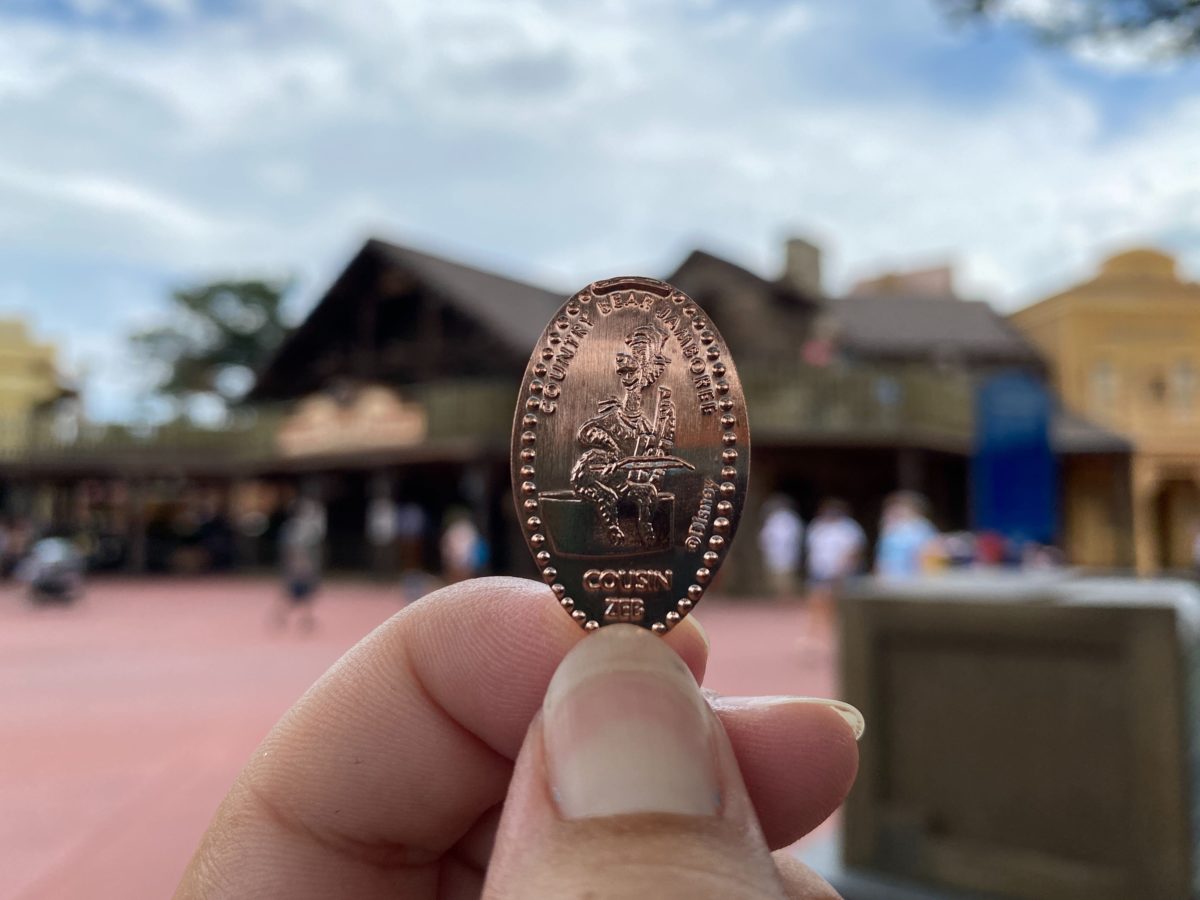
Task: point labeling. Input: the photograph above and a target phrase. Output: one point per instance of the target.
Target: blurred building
(1124, 351)
(29, 381)
(400, 387)
(918, 319)
(860, 395)
(396, 395)
(854, 397)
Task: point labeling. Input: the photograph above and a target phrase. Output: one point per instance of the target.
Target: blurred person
(603, 743)
(415, 578)
(1039, 557)
(411, 522)
(461, 547)
(781, 539)
(990, 549)
(907, 539)
(215, 536)
(934, 556)
(53, 569)
(961, 548)
(381, 533)
(483, 555)
(835, 547)
(415, 573)
(301, 545)
(186, 555)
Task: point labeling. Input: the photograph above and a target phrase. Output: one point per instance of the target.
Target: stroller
(54, 571)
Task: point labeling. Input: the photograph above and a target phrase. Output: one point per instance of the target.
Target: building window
(1183, 385)
(1104, 387)
(1158, 388)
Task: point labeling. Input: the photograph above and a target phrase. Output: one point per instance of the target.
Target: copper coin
(630, 454)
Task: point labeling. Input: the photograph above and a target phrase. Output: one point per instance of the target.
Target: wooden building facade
(400, 385)
(1124, 351)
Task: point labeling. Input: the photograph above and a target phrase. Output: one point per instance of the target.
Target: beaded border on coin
(539, 396)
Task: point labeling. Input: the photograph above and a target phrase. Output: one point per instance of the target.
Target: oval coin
(630, 454)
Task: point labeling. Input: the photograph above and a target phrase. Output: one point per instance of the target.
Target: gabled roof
(1142, 274)
(701, 260)
(515, 310)
(911, 327)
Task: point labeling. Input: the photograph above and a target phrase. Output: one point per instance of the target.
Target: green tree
(203, 359)
(1157, 28)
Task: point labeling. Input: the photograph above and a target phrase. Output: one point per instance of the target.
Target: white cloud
(1044, 13)
(1155, 48)
(566, 139)
(107, 195)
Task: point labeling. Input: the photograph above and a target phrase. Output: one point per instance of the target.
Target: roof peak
(1139, 262)
(782, 285)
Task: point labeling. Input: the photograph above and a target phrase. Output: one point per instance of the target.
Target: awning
(1071, 433)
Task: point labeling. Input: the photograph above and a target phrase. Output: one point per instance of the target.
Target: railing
(796, 403)
(480, 410)
(49, 440)
(872, 404)
(785, 402)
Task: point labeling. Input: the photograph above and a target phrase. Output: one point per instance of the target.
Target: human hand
(388, 777)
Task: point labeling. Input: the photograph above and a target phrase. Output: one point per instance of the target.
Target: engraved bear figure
(625, 452)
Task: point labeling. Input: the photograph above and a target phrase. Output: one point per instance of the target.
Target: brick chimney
(802, 267)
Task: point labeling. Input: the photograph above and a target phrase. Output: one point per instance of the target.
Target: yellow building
(1124, 351)
(28, 379)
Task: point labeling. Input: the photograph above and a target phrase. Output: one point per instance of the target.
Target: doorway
(1176, 515)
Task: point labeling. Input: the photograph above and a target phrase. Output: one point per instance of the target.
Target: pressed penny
(630, 454)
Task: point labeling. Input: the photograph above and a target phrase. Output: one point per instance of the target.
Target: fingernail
(853, 717)
(626, 730)
(700, 630)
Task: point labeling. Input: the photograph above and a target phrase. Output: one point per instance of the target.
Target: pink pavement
(125, 718)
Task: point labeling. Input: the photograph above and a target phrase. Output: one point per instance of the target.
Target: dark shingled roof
(699, 260)
(897, 326)
(515, 310)
(512, 312)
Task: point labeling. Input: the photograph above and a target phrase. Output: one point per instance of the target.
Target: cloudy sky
(146, 144)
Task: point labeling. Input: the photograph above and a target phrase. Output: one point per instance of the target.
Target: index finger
(394, 754)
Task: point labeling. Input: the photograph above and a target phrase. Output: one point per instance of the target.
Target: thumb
(627, 786)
